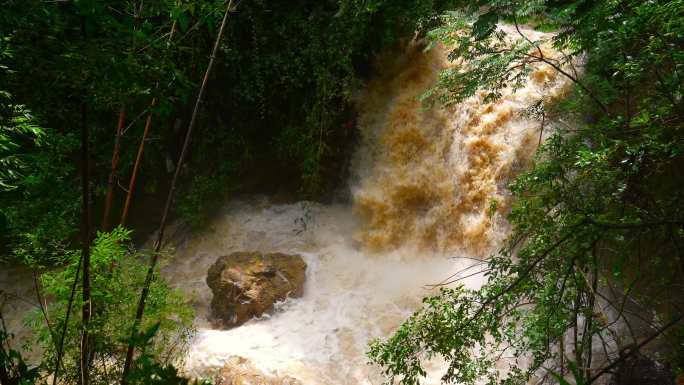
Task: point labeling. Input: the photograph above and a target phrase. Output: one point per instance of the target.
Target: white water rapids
(349, 298)
(424, 181)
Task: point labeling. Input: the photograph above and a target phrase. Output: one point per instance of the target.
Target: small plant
(13, 368)
(493, 207)
(147, 369)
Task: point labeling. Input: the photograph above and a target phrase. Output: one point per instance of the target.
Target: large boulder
(247, 284)
(239, 371)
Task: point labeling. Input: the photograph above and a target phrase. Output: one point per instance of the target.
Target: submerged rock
(247, 284)
(239, 371)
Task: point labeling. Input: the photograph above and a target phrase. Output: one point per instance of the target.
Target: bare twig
(136, 165)
(668, 222)
(450, 281)
(558, 68)
(134, 121)
(572, 78)
(43, 307)
(447, 280)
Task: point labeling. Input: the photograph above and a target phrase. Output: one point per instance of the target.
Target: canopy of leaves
(598, 224)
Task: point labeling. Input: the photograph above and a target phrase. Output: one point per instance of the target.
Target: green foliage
(35, 228)
(118, 274)
(281, 99)
(597, 219)
(291, 74)
(59, 56)
(492, 63)
(33, 166)
(16, 125)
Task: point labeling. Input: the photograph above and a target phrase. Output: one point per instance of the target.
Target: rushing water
(350, 296)
(423, 185)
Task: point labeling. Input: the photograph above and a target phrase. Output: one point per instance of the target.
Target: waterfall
(429, 199)
(437, 178)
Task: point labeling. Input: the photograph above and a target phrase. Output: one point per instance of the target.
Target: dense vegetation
(594, 268)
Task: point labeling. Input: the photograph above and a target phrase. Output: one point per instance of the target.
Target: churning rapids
(422, 186)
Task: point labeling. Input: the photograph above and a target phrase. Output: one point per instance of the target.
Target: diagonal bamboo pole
(60, 349)
(141, 146)
(162, 226)
(85, 240)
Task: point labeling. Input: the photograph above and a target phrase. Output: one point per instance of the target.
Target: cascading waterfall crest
(423, 186)
(437, 177)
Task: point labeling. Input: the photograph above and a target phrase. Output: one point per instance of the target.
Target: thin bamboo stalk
(85, 240)
(112, 173)
(162, 226)
(60, 350)
(136, 165)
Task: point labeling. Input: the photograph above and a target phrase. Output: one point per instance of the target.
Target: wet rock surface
(248, 284)
(239, 371)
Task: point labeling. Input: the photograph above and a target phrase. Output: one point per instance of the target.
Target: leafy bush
(118, 274)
